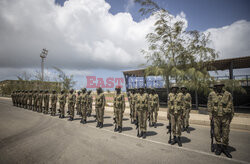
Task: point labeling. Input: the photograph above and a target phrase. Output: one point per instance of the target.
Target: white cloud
(84, 35)
(233, 40)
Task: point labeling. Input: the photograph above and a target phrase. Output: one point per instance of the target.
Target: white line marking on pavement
(181, 148)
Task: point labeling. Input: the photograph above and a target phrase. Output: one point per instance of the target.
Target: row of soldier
(144, 105)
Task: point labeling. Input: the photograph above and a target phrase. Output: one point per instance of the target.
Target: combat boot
(115, 130)
(98, 124)
(120, 129)
(144, 135)
(174, 141)
(154, 125)
(141, 134)
(60, 116)
(179, 141)
(187, 129)
(84, 121)
(63, 116)
(101, 125)
(226, 152)
(218, 149)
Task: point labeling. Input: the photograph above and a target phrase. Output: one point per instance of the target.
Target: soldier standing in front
(100, 105)
(222, 112)
(62, 101)
(186, 108)
(84, 102)
(53, 100)
(119, 107)
(175, 107)
(71, 104)
(89, 103)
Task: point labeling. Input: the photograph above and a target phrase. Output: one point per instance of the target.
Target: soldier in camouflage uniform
(35, 100)
(154, 107)
(142, 111)
(100, 105)
(30, 99)
(78, 102)
(62, 101)
(175, 107)
(119, 108)
(53, 101)
(13, 98)
(40, 101)
(222, 112)
(46, 102)
(22, 98)
(186, 108)
(132, 106)
(89, 104)
(71, 104)
(25, 100)
(84, 102)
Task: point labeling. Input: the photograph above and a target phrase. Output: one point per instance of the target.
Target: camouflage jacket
(175, 103)
(62, 98)
(100, 100)
(119, 102)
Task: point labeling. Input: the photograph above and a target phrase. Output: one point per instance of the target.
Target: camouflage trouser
(176, 122)
(142, 120)
(71, 110)
(118, 116)
(132, 112)
(186, 118)
(222, 129)
(62, 109)
(53, 108)
(84, 111)
(78, 107)
(35, 105)
(30, 104)
(46, 107)
(153, 114)
(89, 109)
(99, 114)
(40, 106)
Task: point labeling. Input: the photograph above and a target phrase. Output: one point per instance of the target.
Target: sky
(102, 38)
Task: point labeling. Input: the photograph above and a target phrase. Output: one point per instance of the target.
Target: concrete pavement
(31, 137)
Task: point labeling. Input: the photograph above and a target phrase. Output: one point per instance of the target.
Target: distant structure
(43, 55)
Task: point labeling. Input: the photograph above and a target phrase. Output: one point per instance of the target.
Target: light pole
(43, 55)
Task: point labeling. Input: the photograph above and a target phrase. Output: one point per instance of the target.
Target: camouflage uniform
(142, 110)
(53, 101)
(222, 112)
(62, 101)
(46, 102)
(186, 108)
(154, 108)
(100, 105)
(13, 98)
(175, 107)
(89, 103)
(35, 101)
(30, 99)
(71, 105)
(84, 102)
(25, 100)
(78, 103)
(40, 101)
(119, 107)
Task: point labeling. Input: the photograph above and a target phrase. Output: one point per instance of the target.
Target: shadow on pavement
(77, 118)
(191, 129)
(231, 149)
(106, 117)
(91, 121)
(107, 125)
(159, 124)
(151, 133)
(125, 119)
(127, 128)
(185, 139)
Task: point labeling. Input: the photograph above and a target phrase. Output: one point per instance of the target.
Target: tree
(67, 81)
(177, 55)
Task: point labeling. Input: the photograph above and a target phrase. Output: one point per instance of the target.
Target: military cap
(79, 92)
(183, 86)
(174, 86)
(89, 91)
(219, 83)
(41, 91)
(118, 88)
(72, 90)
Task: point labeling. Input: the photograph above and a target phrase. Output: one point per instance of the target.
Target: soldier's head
(141, 90)
(118, 89)
(78, 93)
(89, 92)
(84, 90)
(41, 91)
(99, 90)
(183, 89)
(218, 86)
(153, 91)
(71, 91)
(174, 88)
(148, 90)
(62, 91)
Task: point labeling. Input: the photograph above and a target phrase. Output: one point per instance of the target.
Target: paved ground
(30, 137)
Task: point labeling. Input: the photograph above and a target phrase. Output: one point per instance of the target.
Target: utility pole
(43, 55)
